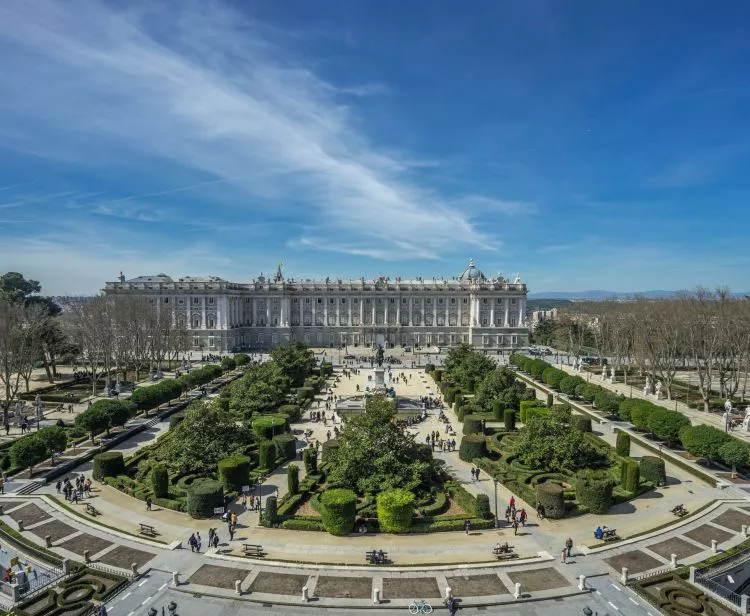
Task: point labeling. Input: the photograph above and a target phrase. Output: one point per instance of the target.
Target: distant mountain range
(599, 295)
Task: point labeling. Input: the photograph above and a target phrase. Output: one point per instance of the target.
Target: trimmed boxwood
(509, 416)
(472, 424)
(472, 446)
(305, 393)
(639, 413)
(552, 497)
(703, 441)
(202, 496)
(652, 469)
(526, 404)
(286, 445)
(175, 420)
(108, 464)
(310, 458)
(429, 368)
(582, 422)
(266, 427)
(290, 410)
(160, 481)
(594, 493)
(622, 447)
(148, 397)
(498, 410)
(267, 454)
(536, 411)
(234, 472)
(395, 510)
(482, 509)
(292, 478)
(328, 446)
(338, 510)
(665, 424)
(270, 515)
(630, 475)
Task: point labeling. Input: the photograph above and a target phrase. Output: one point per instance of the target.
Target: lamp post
(494, 480)
(261, 479)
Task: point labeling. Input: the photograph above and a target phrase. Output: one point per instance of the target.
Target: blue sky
(586, 145)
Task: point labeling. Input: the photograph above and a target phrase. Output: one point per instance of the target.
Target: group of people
(431, 403)
(513, 517)
(72, 493)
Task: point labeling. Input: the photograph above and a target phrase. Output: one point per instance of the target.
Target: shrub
(623, 444)
(569, 383)
(625, 407)
(639, 415)
(526, 404)
(630, 475)
(234, 472)
(310, 458)
(145, 398)
(482, 509)
(581, 388)
(550, 400)
(203, 496)
(472, 424)
(734, 453)
(108, 464)
(228, 363)
(395, 510)
(472, 446)
(270, 515)
(267, 455)
(54, 438)
(552, 498)
(553, 377)
(175, 420)
(160, 481)
(498, 410)
(27, 451)
(666, 424)
(438, 374)
(240, 359)
(703, 441)
(594, 493)
(338, 510)
(590, 391)
(93, 420)
(509, 416)
(309, 525)
(536, 411)
(290, 410)
(429, 368)
(652, 469)
(292, 478)
(117, 411)
(268, 426)
(581, 422)
(287, 446)
(305, 393)
(328, 447)
(607, 402)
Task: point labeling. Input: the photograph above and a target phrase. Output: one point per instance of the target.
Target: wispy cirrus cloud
(212, 92)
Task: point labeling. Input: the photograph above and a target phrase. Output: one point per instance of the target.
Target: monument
(379, 370)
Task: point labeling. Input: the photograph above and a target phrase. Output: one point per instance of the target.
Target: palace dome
(472, 272)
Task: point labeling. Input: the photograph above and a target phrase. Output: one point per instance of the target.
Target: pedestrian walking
(515, 526)
(467, 526)
(569, 545)
(522, 517)
(231, 532)
(198, 541)
(564, 556)
(473, 470)
(192, 543)
(148, 503)
(477, 473)
(215, 541)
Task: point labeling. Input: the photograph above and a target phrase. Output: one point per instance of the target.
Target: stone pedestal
(379, 376)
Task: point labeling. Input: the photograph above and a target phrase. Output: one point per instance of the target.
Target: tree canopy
(14, 287)
(502, 384)
(467, 367)
(295, 360)
(261, 390)
(374, 454)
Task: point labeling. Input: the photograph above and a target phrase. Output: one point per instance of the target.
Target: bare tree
(703, 337)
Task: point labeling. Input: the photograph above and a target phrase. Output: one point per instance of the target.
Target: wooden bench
(91, 510)
(506, 555)
(250, 549)
(146, 529)
(372, 559)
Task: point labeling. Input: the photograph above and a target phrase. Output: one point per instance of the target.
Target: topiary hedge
(552, 497)
(268, 426)
(234, 472)
(395, 510)
(524, 405)
(622, 447)
(292, 478)
(310, 459)
(665, 424)
(290, 410)
(108, 464)
(630, 475)
(148, 397)
(581, 422)
(286, 445)
(536, 411)
(429, 368)
(175, 420)
(338, 510)
(472, 446)
(472, 424)
(203, 496)
(305, 393)
(703, 441)
(270, 515)
(482, 509)
(498, 410)
(594, 493)
(160, 481)
(267, 454)
(328, 447)
(652, 469)
(509, 417)
(639, 413)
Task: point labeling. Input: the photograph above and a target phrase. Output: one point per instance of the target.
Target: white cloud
(204, 88)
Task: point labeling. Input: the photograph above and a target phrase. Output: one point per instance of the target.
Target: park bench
(148, 530)
(250, 549)
(609, 535)
(506, 555)
(371, 558)
(91, 510)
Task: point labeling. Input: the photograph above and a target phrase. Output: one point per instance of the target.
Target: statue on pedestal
(746, 421)
(647, 386)
(658, 390)
(612, 374)
(728, 405)
(379, 355)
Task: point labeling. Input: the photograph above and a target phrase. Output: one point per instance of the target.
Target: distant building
(489, 313)
(541, 315)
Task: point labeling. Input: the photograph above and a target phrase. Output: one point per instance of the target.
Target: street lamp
(494, 480)
(261, 479)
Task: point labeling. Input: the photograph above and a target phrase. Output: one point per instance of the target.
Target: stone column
(447, 311)
(398, 311)
(255, 311)
(361, 312)
(268, 311)
(507, 312)
(349, 300)
(338, 311)
(314, 310)
(373, 313)
(385, 312)
(422, 307)
(434, 313)
(521, 309)
(203, 312)
(325, 311)
(282, 311)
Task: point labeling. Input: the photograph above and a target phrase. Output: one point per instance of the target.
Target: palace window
(196, 323)
(210, 322)
(332, 300)
(499, 300)
(180, 301)
(513, 322)
(210, 342)
(403, 301)
(466, 301)
(196, 300)
(166, 300)
(484, 321)
(367, 301)
(320, 300)
(210, 300)
(484, 300)
(307, 300)
(380, 300)
(440, 301)
(356, 301)
(343, 300)
(295, 300)
(513, 301)
(393, 301)
(453, 300)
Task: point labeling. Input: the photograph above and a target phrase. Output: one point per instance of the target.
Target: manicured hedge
(290, 410)
(665, 424)
(267, 454)
(228, 363)
(395, 510)
(607, 402)
(703, 441)
(328, 446)
(509, 417)
(472, 424)
(270, 515)
(305, 393)
(526, 404)
(482, 509)
(536, 411)
(108, 464)
(240, 359)
(498, 410)
(175, 420)
(429, 368)
(625, 407)
(581, 422)
(202, 496)
(151, 396)
(201, 376)
(27, 451)
(266, 427)
(552, 498)
(292, 478)
(286, 445)
(160, 481)
(569, 383)
(310, 459)
(623, 444)
(234, 472)
(338, 510)
(652, 469)
(639, 413)
(630, 474)
(472, 447)
(594, 493)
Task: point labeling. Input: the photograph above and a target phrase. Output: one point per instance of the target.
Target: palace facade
(489, 313)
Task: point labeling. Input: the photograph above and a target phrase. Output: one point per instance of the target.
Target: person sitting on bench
(599, 533)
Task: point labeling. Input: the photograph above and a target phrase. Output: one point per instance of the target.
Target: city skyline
(590, 147)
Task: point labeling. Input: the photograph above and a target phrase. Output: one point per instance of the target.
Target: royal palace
(489, 313)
